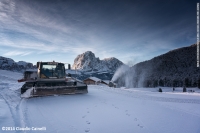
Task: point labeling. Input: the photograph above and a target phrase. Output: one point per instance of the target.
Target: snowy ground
(102, 110)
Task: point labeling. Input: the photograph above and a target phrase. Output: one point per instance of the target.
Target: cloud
(125, 31)
(40, 31)
(16, 53)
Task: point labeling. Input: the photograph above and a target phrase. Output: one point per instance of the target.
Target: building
(92, 81)
(106, 82)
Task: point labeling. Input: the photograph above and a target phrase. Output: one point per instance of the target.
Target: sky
(129, 30)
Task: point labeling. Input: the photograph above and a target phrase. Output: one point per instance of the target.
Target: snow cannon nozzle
(112, 84)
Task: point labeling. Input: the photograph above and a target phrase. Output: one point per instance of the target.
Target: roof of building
(94, 79)
(106, 81)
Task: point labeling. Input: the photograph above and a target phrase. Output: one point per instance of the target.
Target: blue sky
(132, 31)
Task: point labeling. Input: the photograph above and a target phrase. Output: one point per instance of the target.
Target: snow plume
(124, 76)
(130, 76)
(120, 71)
(141, 79)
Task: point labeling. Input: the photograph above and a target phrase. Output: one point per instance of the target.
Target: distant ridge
(10, 64)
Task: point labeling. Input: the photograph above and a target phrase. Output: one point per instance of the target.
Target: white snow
(27, 94)
(102, 110)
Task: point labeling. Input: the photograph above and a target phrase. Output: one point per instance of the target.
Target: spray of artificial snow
(141, 79)
(120, 71)
(129, 77)
(123, 77)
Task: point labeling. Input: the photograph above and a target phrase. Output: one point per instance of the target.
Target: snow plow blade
(52, 88)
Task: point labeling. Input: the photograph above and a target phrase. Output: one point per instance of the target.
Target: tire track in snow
(13, 101)
(11, 95)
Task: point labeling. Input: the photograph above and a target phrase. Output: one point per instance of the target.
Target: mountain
(88, 65)
(88, 62)
(10, 64)
(175, 68)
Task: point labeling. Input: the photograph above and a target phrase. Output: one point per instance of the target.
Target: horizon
(131, 31)
(107, 57)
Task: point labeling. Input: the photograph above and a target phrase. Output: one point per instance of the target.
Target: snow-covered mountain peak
(88, 53)
(88, 62)
(111, 58)
(22, 63)
(10, 64)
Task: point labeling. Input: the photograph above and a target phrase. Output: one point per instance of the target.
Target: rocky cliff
(10, 64)
(88, 62)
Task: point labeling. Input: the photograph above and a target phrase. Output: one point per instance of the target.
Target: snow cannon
(112, 84)
(50, 79)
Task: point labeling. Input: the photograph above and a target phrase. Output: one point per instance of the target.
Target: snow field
(102, 110)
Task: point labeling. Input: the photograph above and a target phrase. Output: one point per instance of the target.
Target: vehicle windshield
(52, 70)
